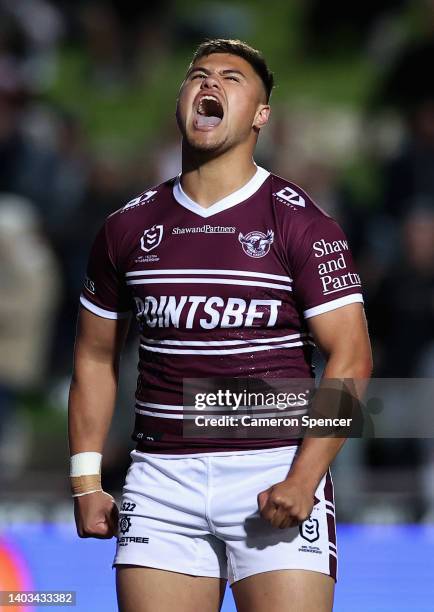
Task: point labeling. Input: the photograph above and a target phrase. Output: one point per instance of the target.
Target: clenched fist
(96, 515)
(286, 504)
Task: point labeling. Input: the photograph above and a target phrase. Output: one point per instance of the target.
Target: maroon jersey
(217, 292)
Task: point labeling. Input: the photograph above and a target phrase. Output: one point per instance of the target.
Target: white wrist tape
(85, 473)
(85, 464)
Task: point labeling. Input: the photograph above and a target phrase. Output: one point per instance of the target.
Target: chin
(204, 145)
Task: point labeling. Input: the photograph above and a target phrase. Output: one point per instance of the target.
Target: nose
(210, 82)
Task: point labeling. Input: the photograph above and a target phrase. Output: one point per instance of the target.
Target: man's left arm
(342, 337)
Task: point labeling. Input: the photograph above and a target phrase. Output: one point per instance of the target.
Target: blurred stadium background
(87, 99)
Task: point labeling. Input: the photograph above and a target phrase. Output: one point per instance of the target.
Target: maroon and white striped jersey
(223, 291)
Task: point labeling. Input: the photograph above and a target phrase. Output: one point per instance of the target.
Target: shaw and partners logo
(333, 272)
(256, 244)
(151, 238)
(203, 229)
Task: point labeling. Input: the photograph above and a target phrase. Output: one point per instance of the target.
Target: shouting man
(230, 271)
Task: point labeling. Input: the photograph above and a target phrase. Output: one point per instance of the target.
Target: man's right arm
(92, 397)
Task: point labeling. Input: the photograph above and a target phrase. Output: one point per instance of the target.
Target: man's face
(221, 104)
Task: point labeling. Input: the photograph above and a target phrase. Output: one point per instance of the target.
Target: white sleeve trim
(106, 314)
(343, 301)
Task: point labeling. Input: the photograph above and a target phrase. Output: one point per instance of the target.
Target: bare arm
(94, 380)
(91, 403)
(342, 336)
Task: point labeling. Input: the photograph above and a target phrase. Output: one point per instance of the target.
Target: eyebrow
(224, 72)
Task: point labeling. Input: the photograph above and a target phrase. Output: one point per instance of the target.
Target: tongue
(203, 121)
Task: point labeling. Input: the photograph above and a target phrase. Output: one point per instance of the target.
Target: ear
(262, 115)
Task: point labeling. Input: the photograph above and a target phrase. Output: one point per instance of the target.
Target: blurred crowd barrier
(87, 98)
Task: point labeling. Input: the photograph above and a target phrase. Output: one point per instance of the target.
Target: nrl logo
(151, 238)
(309, 529)
(256, 244)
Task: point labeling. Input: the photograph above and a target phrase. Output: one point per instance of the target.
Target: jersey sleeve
(322, 267)
(104, 290)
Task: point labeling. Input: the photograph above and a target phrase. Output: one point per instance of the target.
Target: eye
(233, 78)
(198, 76)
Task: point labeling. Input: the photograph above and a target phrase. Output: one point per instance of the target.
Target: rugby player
(230, 271)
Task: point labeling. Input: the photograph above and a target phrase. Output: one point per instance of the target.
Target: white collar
(231, 200)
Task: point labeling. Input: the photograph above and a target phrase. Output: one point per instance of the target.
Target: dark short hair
(242, 49)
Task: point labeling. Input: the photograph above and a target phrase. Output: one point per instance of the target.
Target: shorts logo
(124, 524)
(309, 530)
(151, 238)
(256, 244)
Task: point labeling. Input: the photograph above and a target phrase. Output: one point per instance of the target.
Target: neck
(207, 181)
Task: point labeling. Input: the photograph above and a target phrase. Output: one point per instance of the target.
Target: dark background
(87, 100)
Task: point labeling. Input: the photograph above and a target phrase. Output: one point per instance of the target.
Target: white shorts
(198, 514)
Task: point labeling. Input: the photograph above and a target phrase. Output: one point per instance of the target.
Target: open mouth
(209, 112)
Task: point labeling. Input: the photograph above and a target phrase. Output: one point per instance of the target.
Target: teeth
(209, 98)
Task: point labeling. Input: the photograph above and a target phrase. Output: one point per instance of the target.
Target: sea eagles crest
(256, 244)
